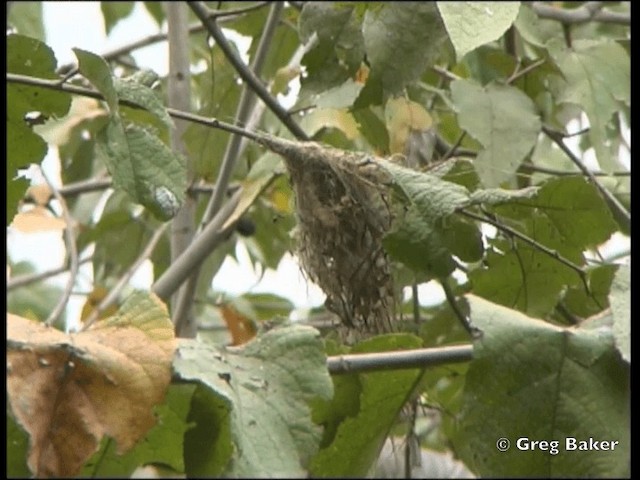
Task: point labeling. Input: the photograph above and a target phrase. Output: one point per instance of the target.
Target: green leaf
(418, 238)
(259, 410)
(137, 89)
(17, 449)
(578, 217)
(113, 12)
(471, 24)
(156, 11)
(162, 445)
(144, 167)
(496, 196)
(341, 96)
(523, 278)
(533, 380)
(597, 78)
(359, 437)
(503, 120)
(26, 18)
(94, 68)
(621, 309)
(401, 40)
(583, 304)
(339, 50)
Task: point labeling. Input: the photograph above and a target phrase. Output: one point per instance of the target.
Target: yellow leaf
(68, 391)
(404, 117)
(93, 300)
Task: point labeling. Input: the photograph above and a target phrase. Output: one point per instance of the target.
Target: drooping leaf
(621, 309)
(113, 12)
(364, 423)
(418, 237)
(26, 18)
(258, 421)
(597, 79)
(68, 391)
(339, 50)
(94, 68)
(401, 40)
(472, 24)
(144, 167)
(534, 381)
(503, 120)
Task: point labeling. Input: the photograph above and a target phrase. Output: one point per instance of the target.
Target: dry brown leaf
(38, 219)
(241, 328)
(69, 390)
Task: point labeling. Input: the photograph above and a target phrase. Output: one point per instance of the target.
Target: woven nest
(343, 214)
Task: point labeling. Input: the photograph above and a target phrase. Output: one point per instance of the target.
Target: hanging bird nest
(343, 213)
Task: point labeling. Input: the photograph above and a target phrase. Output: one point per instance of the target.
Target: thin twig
(202, 12)
(454, 147)
(231, 155)
(115, 291)
(552, 253)
(28, 279)
(420, 358)
(464, 319)
(587, 12)
(528, 167)
(224, 16)
(72, 250)
(520, 73)
(609, 197)
(86, 92)
(445, 73)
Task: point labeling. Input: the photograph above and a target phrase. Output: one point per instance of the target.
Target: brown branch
(607, 195)
(28, 279)
(420, 358)
(587, 12)
(202, 12)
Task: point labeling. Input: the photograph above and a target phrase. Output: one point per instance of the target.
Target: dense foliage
(504, 130)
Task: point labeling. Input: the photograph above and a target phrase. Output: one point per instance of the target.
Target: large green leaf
(26, 18)
(340, 47)
(472, 24)
(534, 381)
(597, 78)
(365, 423)
(143, 166)
(401, 40)
(503, 120)
(28, 56)
(258, 423)
(162, 445)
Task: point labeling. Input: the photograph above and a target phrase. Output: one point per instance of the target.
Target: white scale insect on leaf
(166, 200)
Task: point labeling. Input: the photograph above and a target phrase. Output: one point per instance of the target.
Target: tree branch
(199, 249)
(202, 12)
(552, 253)
(589, 11)
(608, 196)
(420, 358)
(72, 251)
(28, 279)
